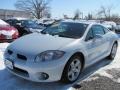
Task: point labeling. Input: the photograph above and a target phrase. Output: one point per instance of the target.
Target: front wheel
(72, 70)
(113, 52)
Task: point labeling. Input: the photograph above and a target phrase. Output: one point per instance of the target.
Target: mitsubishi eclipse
(61, 51)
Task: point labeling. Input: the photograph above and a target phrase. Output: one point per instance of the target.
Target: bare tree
(115, 18)
(76, 15)
(66, 16)
(89, 16)
(105, 12)
(38, 8)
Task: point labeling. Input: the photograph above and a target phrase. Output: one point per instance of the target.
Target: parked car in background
(13, 22)
(46, 22)
(7, 33)
(25, 26)
(30, 26)
(117, 28)
(17, 24)
(110, 25)
(60, 52)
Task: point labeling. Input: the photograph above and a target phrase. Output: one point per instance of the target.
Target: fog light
(43, 76)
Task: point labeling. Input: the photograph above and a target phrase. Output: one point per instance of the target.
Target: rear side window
(97, 29)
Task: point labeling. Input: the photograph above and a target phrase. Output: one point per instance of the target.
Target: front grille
(22, 57)
(20, 72)
(10, 52)
(19, 56)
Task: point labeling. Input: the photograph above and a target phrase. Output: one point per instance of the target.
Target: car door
(103, 42)
(92, 45)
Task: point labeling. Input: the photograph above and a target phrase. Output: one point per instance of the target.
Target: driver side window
(90, 35)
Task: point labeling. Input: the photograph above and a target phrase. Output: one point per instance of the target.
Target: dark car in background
(117, 29)
(17, 24)
(30, 26)
(25, 26)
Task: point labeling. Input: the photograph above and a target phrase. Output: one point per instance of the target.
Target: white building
(6, 14)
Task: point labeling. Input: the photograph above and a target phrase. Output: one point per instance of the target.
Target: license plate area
(9, 64)
(8, 37)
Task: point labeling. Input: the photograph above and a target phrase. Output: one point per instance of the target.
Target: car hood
(6, 27)
(7, 30)
(36, 43)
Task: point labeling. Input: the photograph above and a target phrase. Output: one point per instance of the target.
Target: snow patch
(3, 23)
(2, 66)
(2, 49)
(104, 73)
(7, 33)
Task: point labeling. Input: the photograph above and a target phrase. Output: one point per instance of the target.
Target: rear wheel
(113, 51)
(72, 70)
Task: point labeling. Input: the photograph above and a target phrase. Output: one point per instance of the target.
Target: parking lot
(76, 42)
(9, 81)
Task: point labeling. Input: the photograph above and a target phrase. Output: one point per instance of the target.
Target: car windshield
(30, 24)
(66, 29)
(12, 22)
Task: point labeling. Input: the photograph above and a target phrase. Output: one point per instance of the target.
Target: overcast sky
(68, 7)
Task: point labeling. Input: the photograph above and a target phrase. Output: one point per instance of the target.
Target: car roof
(82, 21)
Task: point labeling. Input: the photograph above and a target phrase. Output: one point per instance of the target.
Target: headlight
(49, 55)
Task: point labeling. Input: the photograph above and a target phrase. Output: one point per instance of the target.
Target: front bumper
(34, 72)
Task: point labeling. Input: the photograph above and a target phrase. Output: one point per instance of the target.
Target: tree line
(41, 8)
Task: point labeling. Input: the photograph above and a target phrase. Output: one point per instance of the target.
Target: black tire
(65, 78)
(112, 55)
